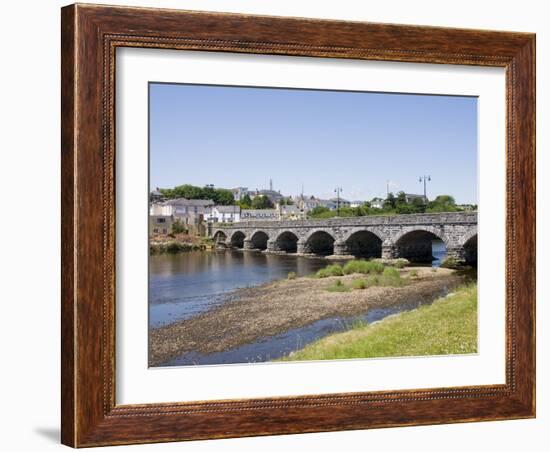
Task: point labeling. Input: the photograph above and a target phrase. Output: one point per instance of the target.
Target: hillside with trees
(220, 196)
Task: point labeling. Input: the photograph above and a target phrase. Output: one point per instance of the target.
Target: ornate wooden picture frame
(90, 37)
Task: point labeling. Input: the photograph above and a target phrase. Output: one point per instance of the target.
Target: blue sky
(242, 136)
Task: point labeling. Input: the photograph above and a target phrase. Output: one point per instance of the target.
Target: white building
(410, 197)
(334, 203)
(289, 212)
(239, 193)
(260, 214)
(223, 214)
(377, 203)
(188, 211)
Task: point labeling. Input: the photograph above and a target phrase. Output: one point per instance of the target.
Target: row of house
(195, 214)
(307, 203)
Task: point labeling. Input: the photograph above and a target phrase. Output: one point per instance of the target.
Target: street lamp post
(338, 190)
(425, 178)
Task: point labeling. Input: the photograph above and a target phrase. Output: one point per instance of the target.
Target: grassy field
(448, 326)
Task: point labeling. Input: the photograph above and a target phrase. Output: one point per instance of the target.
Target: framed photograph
(281, 225)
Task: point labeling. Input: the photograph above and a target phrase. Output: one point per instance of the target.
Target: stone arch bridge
(407, 236)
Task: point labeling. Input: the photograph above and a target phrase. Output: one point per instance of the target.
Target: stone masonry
(389, 236)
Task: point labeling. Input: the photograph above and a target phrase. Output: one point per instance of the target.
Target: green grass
(338, 286)
(448, 326)
(391, 277)
(361, 266)
(291, 275)
(400, 263)
(360, 284)
(450, 262)
(331, 270)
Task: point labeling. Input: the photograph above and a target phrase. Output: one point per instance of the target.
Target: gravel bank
(270, 309)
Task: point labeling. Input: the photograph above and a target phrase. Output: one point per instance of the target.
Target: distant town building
(239, 193)
(274, 196)
(223, 214)
(410, 197)
(189, 212)
(156, 195)
(467, 207)
(377, 203)
(333, 203)
(160, 224)
(289, 212)
(306, 203)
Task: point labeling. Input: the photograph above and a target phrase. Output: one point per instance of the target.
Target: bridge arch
(417, 243)
(237, 239)
(219, 236)
(259, 240)
(287, 241)
(364, 243)
(319, 242)
(470, 250)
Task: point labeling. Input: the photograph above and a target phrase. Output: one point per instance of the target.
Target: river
(186, 284)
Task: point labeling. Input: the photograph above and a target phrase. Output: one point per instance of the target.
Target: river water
(186, 284)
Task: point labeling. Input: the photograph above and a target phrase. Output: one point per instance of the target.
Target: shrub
(374, 280)
(291, 275)
(176, 247)
(450, 262)
(364, 267)
(338, 286)
(391, 272)
(178, 227)
(331, 270)
(400, 263)
(413, 273)
(391, 277)
(360, 284)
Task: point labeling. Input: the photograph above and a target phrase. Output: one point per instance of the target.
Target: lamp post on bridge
(338, 190)
(425, 178)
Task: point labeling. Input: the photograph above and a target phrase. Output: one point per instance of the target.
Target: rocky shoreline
(273, 308)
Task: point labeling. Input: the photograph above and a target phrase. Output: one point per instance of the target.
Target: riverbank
(177, 243)
(270, 309)
(448, 326)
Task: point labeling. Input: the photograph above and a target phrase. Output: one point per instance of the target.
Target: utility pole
(387, 188)
(425, 178)
(338, 190)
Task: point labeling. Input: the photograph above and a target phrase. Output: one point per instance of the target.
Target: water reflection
(186, 284)
(439, 252)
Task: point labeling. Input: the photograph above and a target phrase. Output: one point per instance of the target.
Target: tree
(445, 199)
(262, 202)
(223, 197)
(442, 203)
(286, 201)
(321, 212)
(401, 199)
(187, 191)
(178, 227)
(245, 202)
(419, 205)
(389, 202)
